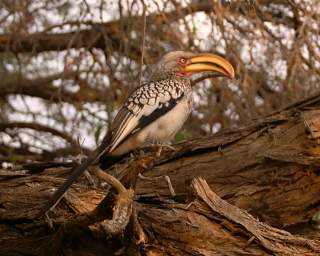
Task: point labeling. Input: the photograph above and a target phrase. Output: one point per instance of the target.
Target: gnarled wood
(269, 169)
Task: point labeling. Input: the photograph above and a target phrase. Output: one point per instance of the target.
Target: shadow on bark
(258, 184)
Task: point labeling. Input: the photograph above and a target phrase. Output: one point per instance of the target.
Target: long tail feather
(103, 147)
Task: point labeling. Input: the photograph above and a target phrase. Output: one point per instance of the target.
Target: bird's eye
(182, 60)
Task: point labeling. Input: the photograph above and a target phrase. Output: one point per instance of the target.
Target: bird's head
(184, 64)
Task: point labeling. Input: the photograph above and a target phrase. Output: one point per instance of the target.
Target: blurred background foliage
(67, 65)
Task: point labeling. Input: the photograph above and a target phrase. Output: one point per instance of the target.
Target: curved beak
(210, 62)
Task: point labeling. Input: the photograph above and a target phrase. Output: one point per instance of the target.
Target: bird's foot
(162, 146)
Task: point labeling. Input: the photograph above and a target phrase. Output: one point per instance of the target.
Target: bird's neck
(166, 74)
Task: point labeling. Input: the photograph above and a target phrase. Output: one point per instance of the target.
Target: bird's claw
(161, 147)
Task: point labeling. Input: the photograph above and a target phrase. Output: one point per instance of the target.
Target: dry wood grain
(268, 170)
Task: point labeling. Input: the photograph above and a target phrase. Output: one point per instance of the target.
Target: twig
(143, 40)
(167, 179)
(112, 181)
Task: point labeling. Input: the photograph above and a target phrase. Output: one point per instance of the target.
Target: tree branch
(39, 127)
(269, 168)
(96, 36)
(43, 88)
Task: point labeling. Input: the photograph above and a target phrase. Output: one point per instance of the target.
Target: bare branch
(43, 88)
(39, 127)
(94, 37)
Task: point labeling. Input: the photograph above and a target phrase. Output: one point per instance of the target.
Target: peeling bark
(259, 182)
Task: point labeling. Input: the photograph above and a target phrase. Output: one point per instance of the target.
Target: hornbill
(154, 112)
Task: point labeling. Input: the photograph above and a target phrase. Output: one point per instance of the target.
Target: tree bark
(258, 183)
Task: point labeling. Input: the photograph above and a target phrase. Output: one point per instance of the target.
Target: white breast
(162, 129)
(168, 125)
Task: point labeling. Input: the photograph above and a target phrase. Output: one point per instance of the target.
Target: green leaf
(182, 135)
(97, 134)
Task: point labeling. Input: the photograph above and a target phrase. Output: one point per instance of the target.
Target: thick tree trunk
(261, 177)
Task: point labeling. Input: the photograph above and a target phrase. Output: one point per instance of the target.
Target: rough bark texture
(257, 182)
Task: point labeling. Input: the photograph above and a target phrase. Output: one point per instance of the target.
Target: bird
(154, 112)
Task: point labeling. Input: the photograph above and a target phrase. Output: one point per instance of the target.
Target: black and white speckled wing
(144, 106)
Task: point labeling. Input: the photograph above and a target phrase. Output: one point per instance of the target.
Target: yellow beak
(210, 62)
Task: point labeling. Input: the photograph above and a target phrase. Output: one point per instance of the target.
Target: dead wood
(268, 170)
